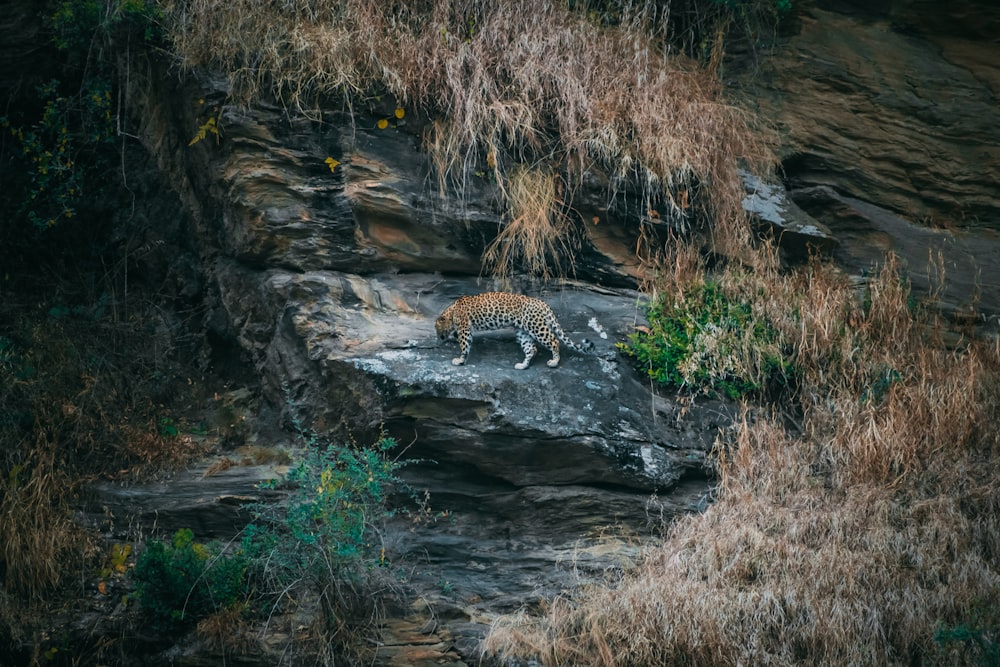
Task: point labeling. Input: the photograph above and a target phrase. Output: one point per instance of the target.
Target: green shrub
(182, 581)
(705, 340)
(321, 544)
(328, 527)
(321, 539)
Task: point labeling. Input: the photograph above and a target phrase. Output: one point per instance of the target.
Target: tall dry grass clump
(509, 85)
(538, 236)
(849, 541)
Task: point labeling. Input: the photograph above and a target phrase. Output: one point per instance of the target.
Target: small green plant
(972, 641)
(879, 388)
(206, 128)
(182, 581)
(168, 427)
(706, 340)
(977, 640)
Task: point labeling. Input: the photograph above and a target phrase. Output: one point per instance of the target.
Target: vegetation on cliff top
(536, 94)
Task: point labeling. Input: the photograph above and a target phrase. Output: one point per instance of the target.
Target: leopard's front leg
(464, 345)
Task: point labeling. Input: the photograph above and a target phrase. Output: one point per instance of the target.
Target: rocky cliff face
(890, 134)
(326, 282)
(329, 279)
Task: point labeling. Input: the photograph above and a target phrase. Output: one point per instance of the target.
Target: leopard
(532, 318)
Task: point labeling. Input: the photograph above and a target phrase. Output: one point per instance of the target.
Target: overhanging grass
(510, 86)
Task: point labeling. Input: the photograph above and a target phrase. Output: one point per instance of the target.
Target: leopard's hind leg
(529, 348)
(550, 343)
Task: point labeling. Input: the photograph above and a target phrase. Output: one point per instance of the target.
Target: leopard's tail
(584, 347)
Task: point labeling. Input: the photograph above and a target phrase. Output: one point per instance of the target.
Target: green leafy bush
(322, 544)
(51, 183)
(320, 540)
(704, 339)
(328, 527)
(182, 581)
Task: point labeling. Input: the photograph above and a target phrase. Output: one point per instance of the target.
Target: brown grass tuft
(228, 632)
(508, 83)
(73, 406)
(39, 535)
(849, 542)
(538, 236)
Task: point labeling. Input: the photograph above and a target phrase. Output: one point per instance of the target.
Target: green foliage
(706, 340)
(168, 427)
(876, 392)
(208, 127)
(328, 527)
(50, 149)
(60, 156)
(78, 24)
(182, 581)
(320, 539)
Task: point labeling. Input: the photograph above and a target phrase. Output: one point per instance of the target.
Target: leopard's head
(445, 325)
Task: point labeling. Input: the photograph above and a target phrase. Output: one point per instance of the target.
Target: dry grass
(538, 236)
(73, 406)
(39, 537)
(849, 542)
(228, 632)
(508, 84)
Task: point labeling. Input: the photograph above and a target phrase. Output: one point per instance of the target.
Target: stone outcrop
(329, 280)
(894, 107)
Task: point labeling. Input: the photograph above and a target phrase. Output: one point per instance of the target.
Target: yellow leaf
(102, 588)
(382, 123)
(399, 112)
(203, 131)
(331, 163)
(491, 159)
